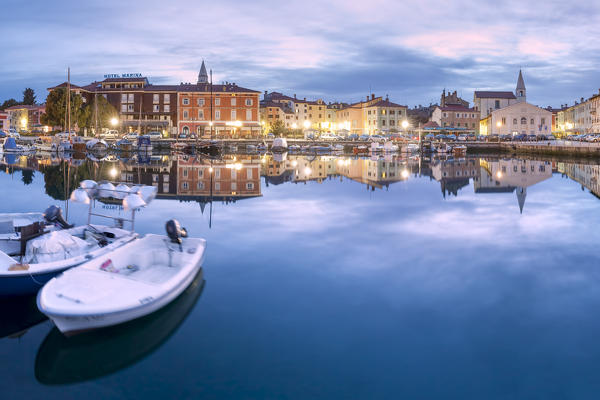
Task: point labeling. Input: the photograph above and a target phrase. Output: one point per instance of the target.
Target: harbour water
(336, 277)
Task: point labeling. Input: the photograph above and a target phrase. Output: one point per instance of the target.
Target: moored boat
(279, 145)
(125, 284)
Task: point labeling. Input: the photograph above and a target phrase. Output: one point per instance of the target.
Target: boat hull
(26, 284)
(74, 324)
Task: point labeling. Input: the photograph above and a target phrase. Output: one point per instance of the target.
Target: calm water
(335, 278)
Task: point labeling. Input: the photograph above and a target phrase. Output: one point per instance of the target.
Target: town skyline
(335, 51)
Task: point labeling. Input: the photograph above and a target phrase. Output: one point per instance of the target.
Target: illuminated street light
(307, 171)
(114, 121)
(404, 124)
(237, 123)
(295, 125)
(499, 124)
(306, 124)
(23, 122)
(113, 172)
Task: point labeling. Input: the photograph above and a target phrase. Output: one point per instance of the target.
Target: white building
(518, 117)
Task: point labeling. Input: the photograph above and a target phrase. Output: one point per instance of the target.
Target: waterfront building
(518, 117)
(4, 121)
(588, 175)
(145, 107)
(454, 174)
(226, 110)
(456, 116)
(487, 101)
(271, 111)
(26, 118)
(373, 116)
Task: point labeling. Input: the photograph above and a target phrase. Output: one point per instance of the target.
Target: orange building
(234, 111)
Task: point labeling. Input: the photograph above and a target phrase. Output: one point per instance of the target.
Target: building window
(185, 114)
(217, 114)
(249, 102)
(200, 185)
(218, 173)
(155, 98)
(233, 174)
(233, 101)
(200, 114)
(249, 186)
(201, 102)
(233, 115)
(185, 101)
(497, 104)
(166, 98)
(532, 121)
(217, 101)
(167, 107)
(503, 120)
(201, 173)
(248, 115)
(233, 186)
(185, 185)
(445, 115)
(165, 188)
(249, 173)
(123, 107)
(156, 108)
(129, 107)
(523, 121)
(185, 172)
(123, 98)
(218, 186)
(514, 121)
(543, 121)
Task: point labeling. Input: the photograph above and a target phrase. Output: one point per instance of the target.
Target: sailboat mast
(69, 101)
(96, 114)
(211, 105)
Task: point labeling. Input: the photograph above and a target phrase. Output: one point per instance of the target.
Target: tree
(8, 103)
(27, 176)
(56, 105)
(29, 97)
(105, 111)
(278, 128)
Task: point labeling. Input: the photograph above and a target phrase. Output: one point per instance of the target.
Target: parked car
(131, 136)
(353, 136)
(328, 136)
(183, 135)
(462, 138)
(377, 138)
(112, 134)
(364, 138)
(155, 135)
(270, 135)
(531, 138)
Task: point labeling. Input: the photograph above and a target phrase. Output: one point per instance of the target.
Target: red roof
(431, 124)
(28, 107)
(385, 103)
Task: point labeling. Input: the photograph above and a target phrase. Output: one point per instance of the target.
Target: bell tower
(521, 92)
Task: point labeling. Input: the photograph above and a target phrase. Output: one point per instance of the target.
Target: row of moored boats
(94, 276)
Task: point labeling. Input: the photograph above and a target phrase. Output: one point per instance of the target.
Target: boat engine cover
(53, 215)
(175, 231)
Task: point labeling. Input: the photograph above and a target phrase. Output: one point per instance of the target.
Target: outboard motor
(175, 232)
(53, 215)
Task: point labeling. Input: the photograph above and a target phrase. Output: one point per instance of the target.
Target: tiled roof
(494, 95)
(386, 103)
(109, 80)
(280, 96)
(431, 124)
(64, 85)
(205, 87)
(457, 108)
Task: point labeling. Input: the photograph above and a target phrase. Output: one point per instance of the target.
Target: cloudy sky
(336, 50)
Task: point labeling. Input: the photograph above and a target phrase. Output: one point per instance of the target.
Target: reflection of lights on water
(238, 166)
(405, 173)
(113, 172)
(340, 162)
(294, 163)
(307, 171)
(263, 160)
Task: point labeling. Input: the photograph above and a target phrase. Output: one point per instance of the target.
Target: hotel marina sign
(136, 75)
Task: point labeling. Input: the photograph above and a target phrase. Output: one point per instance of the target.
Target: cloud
(336, 50)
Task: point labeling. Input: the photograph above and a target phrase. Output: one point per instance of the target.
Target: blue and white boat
(49, 254)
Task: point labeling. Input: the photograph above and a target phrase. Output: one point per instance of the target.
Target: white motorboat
(9, 145)
(125, 284)
(96, 145)
(294, 148)
(410, 148)
(279, 145)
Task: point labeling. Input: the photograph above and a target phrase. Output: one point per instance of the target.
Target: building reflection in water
(236, 176)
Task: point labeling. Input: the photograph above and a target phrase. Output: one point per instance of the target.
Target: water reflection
(235, 177)
(62, 360)
(18, 314)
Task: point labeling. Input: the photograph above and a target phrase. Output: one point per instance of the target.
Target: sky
(338, 50)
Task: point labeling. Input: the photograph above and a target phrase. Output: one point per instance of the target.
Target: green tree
(278, 128)
(56, 105)
(29, 96)
(8, 103)
(105, 111)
